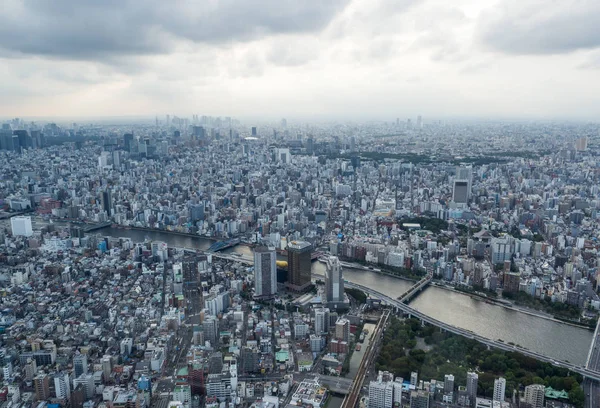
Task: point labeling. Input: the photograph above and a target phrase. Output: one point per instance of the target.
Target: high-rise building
(106, 367)
(116, 156)
(196, 212)
(414, 378)
(7, 371)
(342, 329)
(62, 385)
(15, 144)
(310, 145)
(419, 122)
(77, 396)
(107, 201)
(499, 389)
(80, 364)
(217, 303)
(512, 281)
(37, 139)
(265, 272)
(126, 346)
(448, 383)
(502, 249)
(144, 383)
(250, 359)
(210, 330)
(199, 133)
(183, 394)
(254, 133)
(472, 380)
(283, 156)
(419, 399)
(196, 376)
(87, 382)
(534, 396)
(321, 321)
(465, 173)
(397, 384)
(334, 282)
(463, 180)
(299, 265)
(30, 369)
(6, 137)
(128, 141)
(24, 140)
(381, 394)
(581, 144)
(21, 226)
(41, 385)
(460, 192)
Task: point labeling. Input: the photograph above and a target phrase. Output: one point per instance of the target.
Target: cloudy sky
(354, 59)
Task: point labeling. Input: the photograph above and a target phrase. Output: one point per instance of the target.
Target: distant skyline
(336, 59)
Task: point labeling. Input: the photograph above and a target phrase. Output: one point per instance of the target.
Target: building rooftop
(298, 245)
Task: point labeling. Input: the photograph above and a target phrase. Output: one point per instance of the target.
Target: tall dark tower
(107, 201)
(127, 141)
(299, 265)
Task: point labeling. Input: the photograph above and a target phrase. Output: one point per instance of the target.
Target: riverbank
(513, 307)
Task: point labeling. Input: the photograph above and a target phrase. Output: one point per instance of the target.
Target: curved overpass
(586, 372)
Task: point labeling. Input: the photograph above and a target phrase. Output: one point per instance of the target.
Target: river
(551, 338)
(544, 336)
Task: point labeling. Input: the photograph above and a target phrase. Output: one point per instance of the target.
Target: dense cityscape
(188, 262)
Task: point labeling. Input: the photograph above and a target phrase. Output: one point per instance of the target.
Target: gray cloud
(543, 27)
(293, 52)
(108, 29)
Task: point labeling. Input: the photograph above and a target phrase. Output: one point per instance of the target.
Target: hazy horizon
(291, 121)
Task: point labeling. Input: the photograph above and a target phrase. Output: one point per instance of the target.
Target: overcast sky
(354, 59)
